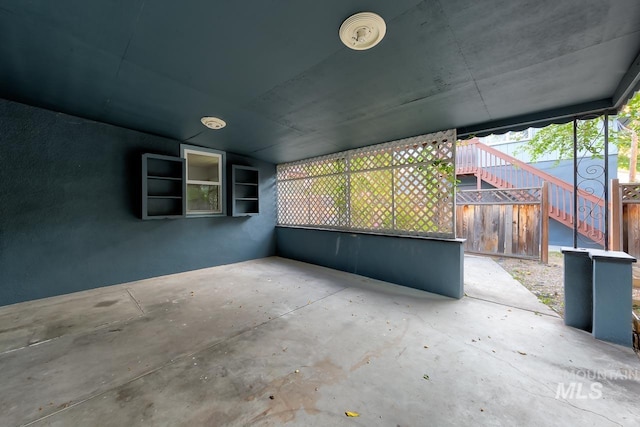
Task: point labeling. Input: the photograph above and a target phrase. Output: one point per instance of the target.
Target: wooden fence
(504, 171)
(625, 217)
(505, 222)
(625, 227)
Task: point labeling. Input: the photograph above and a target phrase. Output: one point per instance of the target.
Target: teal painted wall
(431, 265)
(70, 209)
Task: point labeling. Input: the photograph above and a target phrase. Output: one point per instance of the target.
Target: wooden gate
(505, 222)
(625, 217)
(625, 236)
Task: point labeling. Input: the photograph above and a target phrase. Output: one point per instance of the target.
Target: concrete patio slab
(274, 341)
(21, 325)
(485, 279)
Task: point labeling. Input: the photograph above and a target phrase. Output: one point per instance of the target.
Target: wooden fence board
(628, 228)
(535, 231)
(477, 228)
(529, 231)
(522, 224)
(510, 229)
(501, 230)
(633, 229)
(515, 227)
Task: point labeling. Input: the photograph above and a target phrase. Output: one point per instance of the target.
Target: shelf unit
(162, 187)
(245, 191)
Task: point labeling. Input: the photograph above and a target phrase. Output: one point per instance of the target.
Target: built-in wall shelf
(168, 178)
(245, 191)
(163, 187)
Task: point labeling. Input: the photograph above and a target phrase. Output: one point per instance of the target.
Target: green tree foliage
(559, 138)
(629, 128)
(371, 200)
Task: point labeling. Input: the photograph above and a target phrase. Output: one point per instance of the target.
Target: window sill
(203, 215)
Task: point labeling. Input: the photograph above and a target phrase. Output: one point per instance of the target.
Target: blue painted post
(612, 296)
(578, 288)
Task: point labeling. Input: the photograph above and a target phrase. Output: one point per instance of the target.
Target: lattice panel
(500, 196)
(320, 166)
(423, 150)
(400, 187)
(371, 200)
(423, 201)
(293, 208)
(318, 201)
(370, 159)
(630, 193)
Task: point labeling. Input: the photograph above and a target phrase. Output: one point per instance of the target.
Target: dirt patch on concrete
(546, 282)
(543, 280)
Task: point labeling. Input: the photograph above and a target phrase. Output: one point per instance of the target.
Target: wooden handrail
(537, 172)
(505, 171)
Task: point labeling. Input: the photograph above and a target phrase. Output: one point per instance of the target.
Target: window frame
(185, 150)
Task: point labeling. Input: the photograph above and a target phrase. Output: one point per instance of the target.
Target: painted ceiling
(278, 74)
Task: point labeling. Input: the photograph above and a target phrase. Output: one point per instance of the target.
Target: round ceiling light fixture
(213, 122)
(363, 30)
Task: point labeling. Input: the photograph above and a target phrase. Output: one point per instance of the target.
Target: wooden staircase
(504, 171)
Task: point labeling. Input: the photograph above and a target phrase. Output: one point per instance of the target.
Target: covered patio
(275, 341)
(231, 213)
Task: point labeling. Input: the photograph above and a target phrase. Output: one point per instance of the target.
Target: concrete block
(578, 288)
(612, 296)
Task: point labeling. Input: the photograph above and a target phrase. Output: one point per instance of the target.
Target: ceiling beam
(629, 84)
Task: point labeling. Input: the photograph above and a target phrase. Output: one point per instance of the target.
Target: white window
(205, 169)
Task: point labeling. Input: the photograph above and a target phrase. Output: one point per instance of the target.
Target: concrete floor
(275, 341)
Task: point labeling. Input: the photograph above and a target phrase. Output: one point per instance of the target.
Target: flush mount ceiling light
(363, 30)
(213, 122)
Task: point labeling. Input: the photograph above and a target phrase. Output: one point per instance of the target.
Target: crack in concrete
(554, 315)
(524, 374)
(97, 328)
(563, 400)
(135, 301)
(177, 359)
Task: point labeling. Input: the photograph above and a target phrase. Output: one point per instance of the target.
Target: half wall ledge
(429, 264)
(598, 293)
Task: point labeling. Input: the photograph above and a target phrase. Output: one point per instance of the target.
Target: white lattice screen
(630, 193)
(399, 187)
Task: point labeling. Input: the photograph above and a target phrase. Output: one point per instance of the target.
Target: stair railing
(504, 171)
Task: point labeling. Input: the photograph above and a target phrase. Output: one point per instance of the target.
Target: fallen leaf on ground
(522, 353)
(351, 414)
